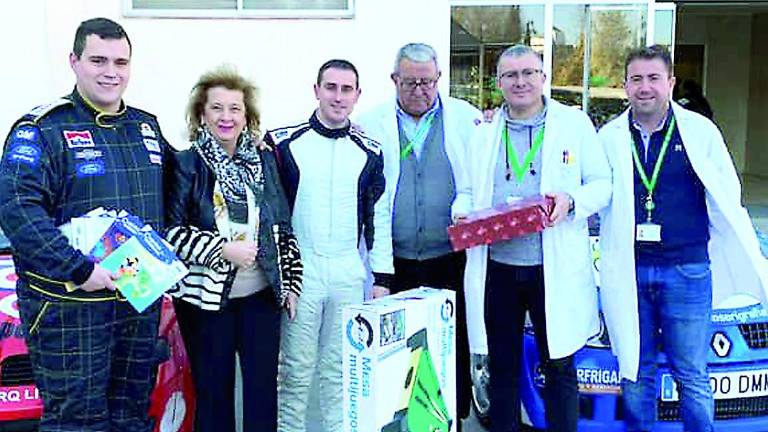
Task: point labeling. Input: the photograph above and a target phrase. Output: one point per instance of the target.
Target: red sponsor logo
(78, 139)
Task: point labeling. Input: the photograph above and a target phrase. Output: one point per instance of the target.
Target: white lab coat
(460, 120)
(570, 293)
(736, 262)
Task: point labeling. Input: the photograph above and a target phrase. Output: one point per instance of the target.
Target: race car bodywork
(172, 399)
(738, 366)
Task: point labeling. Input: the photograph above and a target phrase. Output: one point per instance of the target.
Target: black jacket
(191, 229)
(63, 160)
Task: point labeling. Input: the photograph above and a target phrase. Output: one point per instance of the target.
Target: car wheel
(481, 403)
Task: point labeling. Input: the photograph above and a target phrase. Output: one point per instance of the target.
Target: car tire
(481, 410)
(480, 401)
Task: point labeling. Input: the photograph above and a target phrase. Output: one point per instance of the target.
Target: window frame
(240, 12)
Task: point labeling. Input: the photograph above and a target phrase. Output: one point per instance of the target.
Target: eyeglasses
(412, 84)
(525, 74)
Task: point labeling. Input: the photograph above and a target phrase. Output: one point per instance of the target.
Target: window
(590, 44)
(239, 8)
(478, 36)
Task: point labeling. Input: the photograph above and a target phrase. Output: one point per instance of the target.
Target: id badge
(513, 199)
(648, 232)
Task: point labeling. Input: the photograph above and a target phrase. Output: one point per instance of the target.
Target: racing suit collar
(100, 117)
(318, 127)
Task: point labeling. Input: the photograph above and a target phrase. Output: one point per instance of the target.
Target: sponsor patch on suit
(88, 154)
(25, 133)
(26, 153)
(78, 139)
(152, 145)
(147, 131)
(90, 168)
(156, 159)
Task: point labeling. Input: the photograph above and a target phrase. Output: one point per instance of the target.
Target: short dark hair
(649, 53)
(338, 64)
(101, 27)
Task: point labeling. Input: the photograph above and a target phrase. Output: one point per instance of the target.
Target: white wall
(280, 55)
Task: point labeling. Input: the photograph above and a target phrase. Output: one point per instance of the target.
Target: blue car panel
(738, 366)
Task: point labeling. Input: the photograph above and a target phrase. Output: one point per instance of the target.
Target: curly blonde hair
(227, 77)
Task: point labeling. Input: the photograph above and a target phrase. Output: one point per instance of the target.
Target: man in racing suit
(333, 176)
(92, 354)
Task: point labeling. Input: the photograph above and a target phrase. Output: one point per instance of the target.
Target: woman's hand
(379, 291)
(291, 304)
(241, 253)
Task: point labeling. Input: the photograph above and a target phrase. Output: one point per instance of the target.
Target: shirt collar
(327, 132)
(100, 117)
(433, 109)
(536, 120)
(658, 127)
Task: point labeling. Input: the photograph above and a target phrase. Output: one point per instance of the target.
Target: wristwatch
(571, 205)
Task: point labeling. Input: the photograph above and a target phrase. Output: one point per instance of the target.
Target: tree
(611, 42)
(569, 63)
(490, 24)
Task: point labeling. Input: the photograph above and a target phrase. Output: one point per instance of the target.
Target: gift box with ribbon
(502, 222)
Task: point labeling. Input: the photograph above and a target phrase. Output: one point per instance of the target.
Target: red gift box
(502, 222)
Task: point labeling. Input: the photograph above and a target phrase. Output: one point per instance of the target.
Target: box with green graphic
(399, 363)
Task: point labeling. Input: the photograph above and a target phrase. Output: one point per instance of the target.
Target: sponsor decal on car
(754, 313)
(597, 380)
(18, 394)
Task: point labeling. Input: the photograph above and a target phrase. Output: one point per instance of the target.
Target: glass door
(478, 36)
(590, 44)
(583, 43)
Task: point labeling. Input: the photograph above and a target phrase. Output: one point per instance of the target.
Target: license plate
(725, 385)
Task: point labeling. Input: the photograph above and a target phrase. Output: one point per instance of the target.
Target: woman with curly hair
(229, 221)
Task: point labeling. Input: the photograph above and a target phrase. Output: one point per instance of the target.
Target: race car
(172, 404)
(738, 367)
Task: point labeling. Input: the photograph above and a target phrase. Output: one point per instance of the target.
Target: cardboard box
(399, 363)
(503, 222)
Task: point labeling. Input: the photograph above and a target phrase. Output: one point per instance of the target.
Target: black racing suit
(93, 355)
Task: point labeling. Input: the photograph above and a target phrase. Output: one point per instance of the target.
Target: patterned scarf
(234, 173)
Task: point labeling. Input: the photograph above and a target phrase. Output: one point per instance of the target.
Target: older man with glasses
(424, 138)
(534, 146)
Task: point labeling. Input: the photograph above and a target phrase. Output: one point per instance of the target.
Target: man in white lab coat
(424, 136)
(676, 223)
(533, 146)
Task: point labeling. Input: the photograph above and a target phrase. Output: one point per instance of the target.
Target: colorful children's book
(146, 267)
(121, 229)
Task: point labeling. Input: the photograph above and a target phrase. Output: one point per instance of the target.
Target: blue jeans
(675, 310)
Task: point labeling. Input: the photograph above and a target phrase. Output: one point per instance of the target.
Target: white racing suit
(334, 181)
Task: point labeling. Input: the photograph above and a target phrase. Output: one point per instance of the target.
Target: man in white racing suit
(333, 176)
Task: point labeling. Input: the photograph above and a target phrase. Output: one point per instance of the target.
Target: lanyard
(512, 162)
(419, 136)
(651, 185)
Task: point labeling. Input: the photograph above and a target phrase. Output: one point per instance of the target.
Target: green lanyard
(420, 135)
(512, 162)
(651, 185)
